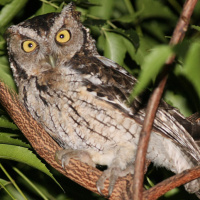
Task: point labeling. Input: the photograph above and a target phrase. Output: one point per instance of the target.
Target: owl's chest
(75, 117)
(49, 99)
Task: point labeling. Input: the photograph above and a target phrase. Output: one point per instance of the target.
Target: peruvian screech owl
(80, 98)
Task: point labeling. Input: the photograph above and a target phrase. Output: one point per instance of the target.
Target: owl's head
(47, 41)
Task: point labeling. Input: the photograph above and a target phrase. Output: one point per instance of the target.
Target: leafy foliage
(134, 34)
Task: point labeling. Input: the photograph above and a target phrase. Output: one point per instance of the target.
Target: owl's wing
(112, 84)
(192, 125)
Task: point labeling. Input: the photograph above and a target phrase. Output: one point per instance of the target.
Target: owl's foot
(63, 156)
(193, 187)
(112, 173)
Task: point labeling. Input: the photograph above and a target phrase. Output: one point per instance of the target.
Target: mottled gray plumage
(80, 98)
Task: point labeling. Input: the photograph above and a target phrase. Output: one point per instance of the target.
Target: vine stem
(154, 100)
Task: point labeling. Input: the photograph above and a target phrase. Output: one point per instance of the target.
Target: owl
(80, 98)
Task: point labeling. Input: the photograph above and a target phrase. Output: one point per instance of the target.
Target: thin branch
(153, 102)
(144, 138)
(172, 182)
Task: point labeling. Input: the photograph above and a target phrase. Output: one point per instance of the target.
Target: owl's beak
(52, 61)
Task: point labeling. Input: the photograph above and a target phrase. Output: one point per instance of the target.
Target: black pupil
(30, 45)
(62, 36)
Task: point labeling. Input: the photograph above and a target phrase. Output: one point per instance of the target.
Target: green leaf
(23, 155)
(44, 9)
(152, 9)
(103, 10)
(171, 193)
(181, 50)
(178, 101)
(12, 181)
(196, 27)
(150, 182)
(150, 68)
(2, 43)
(4, 2)
(128, 45)
(5, 123)
(9, 11)
(4, 182)
(105, 45)
(113, 47)
(7, 77)
(6, 74)
(84, 3)
(28, 181)
(143, 50)
(6, 138)
(160, 28)
(130, 34)
(191, 68)
(130, 18)
(95, 22)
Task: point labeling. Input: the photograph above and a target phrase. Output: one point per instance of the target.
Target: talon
(112, 174)
(63, 157)
(100, 183)
(99, 189)
(64, 162)
(113, 178)
(110, 190)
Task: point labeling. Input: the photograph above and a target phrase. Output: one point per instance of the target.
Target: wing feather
(112, 84)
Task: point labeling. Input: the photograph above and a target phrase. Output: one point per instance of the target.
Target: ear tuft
(70, 10)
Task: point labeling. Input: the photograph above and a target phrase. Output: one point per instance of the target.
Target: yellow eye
(63, 36)
(29, 46)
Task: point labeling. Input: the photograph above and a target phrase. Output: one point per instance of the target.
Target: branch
(154, 100)
(172, 182)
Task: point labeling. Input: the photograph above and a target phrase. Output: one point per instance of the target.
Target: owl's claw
(99, 189)
(112, 174)
(63, 157)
